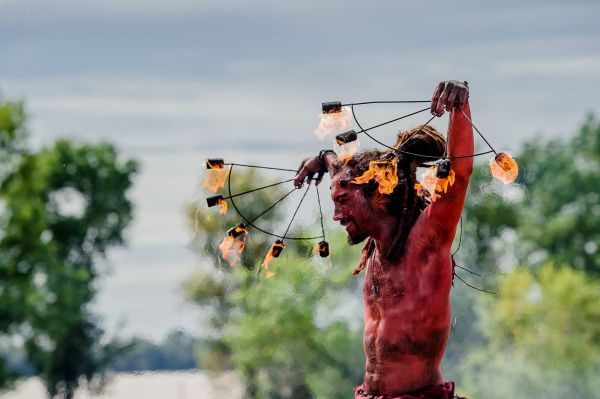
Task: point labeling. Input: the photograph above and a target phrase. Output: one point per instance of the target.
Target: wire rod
(257, 189)
(249, 222)
(262, 167)
(363, 130)
(471, 286)
(391, 121)
(389, 102)
(296, 211)
(273, 205)
(478, 132)
(320, 211)
(420, 129)
(470, 271)
(412, 153)
(459, 238)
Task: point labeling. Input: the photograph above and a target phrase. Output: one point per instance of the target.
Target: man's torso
(407, 316)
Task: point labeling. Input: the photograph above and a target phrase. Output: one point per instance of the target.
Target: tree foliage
(282, 333)
(63, 207)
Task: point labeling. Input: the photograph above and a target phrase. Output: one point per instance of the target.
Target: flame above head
(232, 247)
(222, 206)
(347, 150)
(504, 168)
(214, 179)
(384, 172)
(333, 123)
(432, 186)
(274, 252)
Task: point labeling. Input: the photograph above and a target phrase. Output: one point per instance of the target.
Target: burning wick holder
(346, 137)
(237, 231)
(331, 107)
(277, 248)
(443, 169)
(214, 200)
(215, 163)
(323, 247)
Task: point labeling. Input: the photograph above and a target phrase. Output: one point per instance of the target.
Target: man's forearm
(460, 142)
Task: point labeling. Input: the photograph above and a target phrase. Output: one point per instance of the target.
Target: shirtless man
(409, 269)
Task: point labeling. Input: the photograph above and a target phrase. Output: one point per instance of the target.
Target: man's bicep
(444, 214)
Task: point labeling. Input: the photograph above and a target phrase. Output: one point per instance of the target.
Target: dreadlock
(403, 201)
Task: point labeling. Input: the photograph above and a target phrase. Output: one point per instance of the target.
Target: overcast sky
(172, 83)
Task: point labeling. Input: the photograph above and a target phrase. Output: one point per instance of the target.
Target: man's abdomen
(404, 345)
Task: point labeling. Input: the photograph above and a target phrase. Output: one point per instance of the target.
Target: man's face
(351, 208)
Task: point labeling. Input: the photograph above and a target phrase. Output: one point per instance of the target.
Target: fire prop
(334, 119)
(436, 181)
(233, 244)
(348, 144)
(216, 174)
(504, 168)
(219, 201)
(384, 172)
(321, 248)
(274, 252)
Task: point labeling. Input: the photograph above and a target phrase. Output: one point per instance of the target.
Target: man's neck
(385, 232)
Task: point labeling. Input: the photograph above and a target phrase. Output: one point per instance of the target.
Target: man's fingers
(436, 96)
(310, 177)
(439, 109)
(299, 179)
(320, 177)
(301, 165)
(462, 97)
(451, 100)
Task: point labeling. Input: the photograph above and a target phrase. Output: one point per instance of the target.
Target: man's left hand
(449, 94)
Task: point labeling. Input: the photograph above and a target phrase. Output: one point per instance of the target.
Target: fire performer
(409, 269)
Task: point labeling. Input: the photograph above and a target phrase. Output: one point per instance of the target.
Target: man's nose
(337, 215)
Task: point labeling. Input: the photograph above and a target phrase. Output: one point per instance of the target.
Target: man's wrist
(323, 158)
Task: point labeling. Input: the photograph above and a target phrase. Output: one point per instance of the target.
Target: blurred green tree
(551, 217)
(294, 335)
(543, 337)
(63, 207)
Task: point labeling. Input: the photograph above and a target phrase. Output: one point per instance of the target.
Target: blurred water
(148, 385)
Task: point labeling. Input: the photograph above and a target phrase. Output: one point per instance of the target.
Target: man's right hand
(307, 170)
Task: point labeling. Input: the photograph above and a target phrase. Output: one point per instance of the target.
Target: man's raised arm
(446, 211)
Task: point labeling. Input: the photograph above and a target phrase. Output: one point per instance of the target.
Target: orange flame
(276, 247)
(432, 186)
(214, 179)
(347, 150)
(315, 249)
(333, 123)
(222, 206)
(504, 168)
(232, 248)
(385, 174)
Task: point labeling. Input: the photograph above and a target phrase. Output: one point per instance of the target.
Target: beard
(357, 237)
